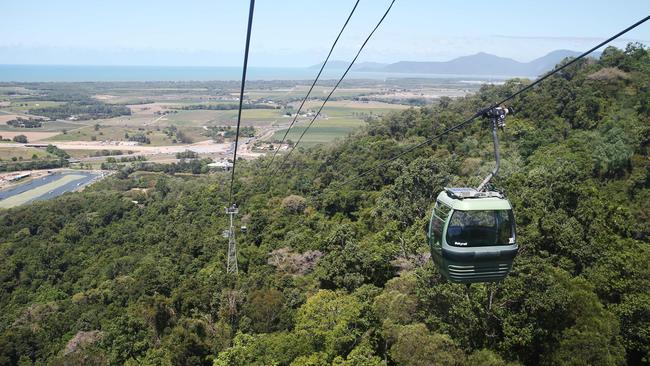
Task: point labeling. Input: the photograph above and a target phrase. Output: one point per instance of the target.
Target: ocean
(74, 73)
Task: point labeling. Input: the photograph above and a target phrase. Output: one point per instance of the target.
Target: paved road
(86, 178)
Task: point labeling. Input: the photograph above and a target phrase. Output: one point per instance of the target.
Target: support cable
(313, 84)
(241, 97)
(286, 157)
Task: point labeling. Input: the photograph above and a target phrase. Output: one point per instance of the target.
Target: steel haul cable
(313, 84)
(241, 96)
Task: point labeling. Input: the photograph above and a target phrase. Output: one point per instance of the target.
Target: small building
(220, 165)
(17, 177)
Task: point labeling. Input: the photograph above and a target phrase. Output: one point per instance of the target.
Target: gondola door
(439, 218)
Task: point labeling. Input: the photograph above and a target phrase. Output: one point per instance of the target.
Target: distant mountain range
(479, 64)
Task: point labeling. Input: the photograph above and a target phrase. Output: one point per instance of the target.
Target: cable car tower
(231, 264)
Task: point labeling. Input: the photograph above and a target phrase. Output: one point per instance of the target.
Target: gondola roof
(474, 203)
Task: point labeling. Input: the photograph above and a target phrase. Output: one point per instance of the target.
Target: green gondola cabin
(472, 235)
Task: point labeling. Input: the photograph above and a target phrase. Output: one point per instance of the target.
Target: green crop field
(353, 108)
(321, 132)
(318, 135)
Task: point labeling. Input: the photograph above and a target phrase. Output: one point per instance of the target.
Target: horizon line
(277, 67)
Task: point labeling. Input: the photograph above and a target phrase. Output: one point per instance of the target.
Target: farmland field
(32, 136)
(322, 131)
(250, 117)
(166, 117)
(316, 135)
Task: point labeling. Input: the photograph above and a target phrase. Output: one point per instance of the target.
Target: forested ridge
(132, 271)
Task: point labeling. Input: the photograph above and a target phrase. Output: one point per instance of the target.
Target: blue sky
(299, 33)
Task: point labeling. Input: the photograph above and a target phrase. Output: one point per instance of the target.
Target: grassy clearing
(32, 136)
(125, 121)
(201, 118)
(79, 154)
(86, 133)
(115, 133)
(59, 126)
(49, 126)
(25, 106)
(25, 197)
(262, 114)
(21, 153)
(250, 117)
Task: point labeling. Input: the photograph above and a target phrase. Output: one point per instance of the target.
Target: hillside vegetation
(335, 274)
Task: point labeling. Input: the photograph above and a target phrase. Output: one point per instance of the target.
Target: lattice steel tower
(231, 264)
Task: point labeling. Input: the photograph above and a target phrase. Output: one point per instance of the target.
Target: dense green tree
(415, 345)
(267, 311)
(330, 321)
(485, 357)
(20, 138)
